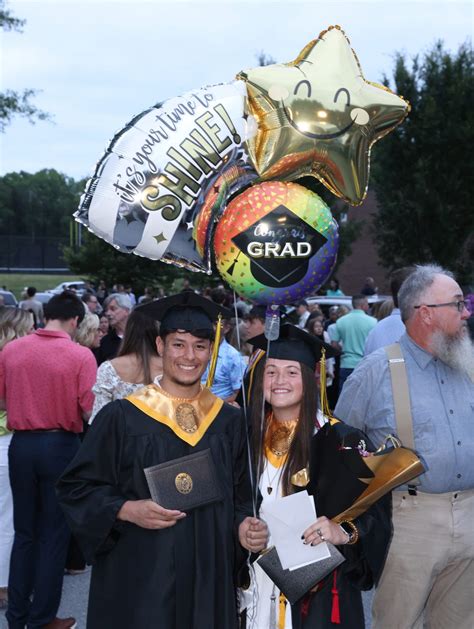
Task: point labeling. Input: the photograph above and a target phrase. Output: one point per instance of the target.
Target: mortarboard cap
(185, 311)
(294, 343)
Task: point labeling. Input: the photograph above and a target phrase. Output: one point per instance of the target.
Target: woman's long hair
(298, 454)
(14, 323)
(140, 339)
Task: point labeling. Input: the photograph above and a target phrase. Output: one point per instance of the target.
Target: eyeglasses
(459, 305)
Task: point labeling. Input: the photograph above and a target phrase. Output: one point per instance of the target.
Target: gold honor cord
(215, 352)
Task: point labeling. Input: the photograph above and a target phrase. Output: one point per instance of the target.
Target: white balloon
(149, 186)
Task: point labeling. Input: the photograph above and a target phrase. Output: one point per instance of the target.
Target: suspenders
(401, 402)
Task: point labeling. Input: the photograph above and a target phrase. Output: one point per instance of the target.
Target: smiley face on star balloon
(318, 116)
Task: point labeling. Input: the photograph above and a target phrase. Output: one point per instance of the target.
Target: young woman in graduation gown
(292, 435)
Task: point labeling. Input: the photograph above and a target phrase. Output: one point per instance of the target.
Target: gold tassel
(323, 393)
(215, 352)
(281, 611)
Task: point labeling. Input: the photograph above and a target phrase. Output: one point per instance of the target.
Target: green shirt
(352, 330)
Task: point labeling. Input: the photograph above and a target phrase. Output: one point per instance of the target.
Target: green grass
(16, 282)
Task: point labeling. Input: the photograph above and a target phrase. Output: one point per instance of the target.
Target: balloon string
(262, 427)
(244, 407)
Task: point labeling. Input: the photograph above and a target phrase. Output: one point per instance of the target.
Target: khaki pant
(428, 579)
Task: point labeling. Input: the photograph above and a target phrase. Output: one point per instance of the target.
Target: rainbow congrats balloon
(276, 243)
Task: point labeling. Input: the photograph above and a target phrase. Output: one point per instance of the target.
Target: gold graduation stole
(188, 418)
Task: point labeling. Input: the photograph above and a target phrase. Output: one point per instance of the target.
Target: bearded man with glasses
(429, 571)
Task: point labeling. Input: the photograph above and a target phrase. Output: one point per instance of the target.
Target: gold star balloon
(318, 116)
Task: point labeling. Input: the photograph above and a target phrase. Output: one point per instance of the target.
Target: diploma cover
(185, 483)
(295, 583)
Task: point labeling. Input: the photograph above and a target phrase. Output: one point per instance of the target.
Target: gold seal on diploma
(184, 483)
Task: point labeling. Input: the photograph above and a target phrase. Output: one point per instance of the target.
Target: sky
(98, 64)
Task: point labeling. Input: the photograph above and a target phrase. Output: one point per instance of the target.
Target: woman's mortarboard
(296, 344)
(185, 311)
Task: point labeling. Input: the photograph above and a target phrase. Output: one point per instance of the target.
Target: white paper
(287, 519)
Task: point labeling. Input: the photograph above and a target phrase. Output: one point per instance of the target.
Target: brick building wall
(364, 260)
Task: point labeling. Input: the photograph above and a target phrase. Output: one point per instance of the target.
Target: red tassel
(305, 604)
(335, 614)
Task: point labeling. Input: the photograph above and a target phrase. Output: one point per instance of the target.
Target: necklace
(185, 414)
(280, 440)
(186, 417)
(179, 399)
(271, 480)
(280, 436)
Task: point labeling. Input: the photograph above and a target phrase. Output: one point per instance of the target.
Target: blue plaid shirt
(229, 371)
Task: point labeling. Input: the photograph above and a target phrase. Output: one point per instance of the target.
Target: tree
(11, 102)
(39, 204)
(349, 231)
(98, 260)
(264, 59)
(423, 170)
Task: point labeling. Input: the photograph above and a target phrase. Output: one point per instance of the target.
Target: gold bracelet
(354, 535)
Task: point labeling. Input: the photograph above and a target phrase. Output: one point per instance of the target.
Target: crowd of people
(96, 389)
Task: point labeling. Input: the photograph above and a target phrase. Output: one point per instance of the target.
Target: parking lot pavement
(74, 598)
(73, 601)
(76, 589)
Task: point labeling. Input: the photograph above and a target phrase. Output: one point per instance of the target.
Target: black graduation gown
(109, 347)
(335, 484)
(181, 577)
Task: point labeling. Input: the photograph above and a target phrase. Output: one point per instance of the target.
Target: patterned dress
(109, 387)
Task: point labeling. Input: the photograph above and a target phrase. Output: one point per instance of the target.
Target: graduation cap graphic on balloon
(279, 246)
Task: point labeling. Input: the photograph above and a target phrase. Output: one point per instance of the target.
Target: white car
(78, 286)
(43, 297)
(375, 301)
(344, 300)
(9, 298)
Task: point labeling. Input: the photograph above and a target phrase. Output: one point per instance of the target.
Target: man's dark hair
(256, 312)
(397, 278)
(63, 307)
(358, 300)
(302, 302)
(31, 291)
(200, 334)
(87, 297)
(218, 296)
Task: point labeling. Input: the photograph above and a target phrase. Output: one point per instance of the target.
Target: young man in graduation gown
(155, 567)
